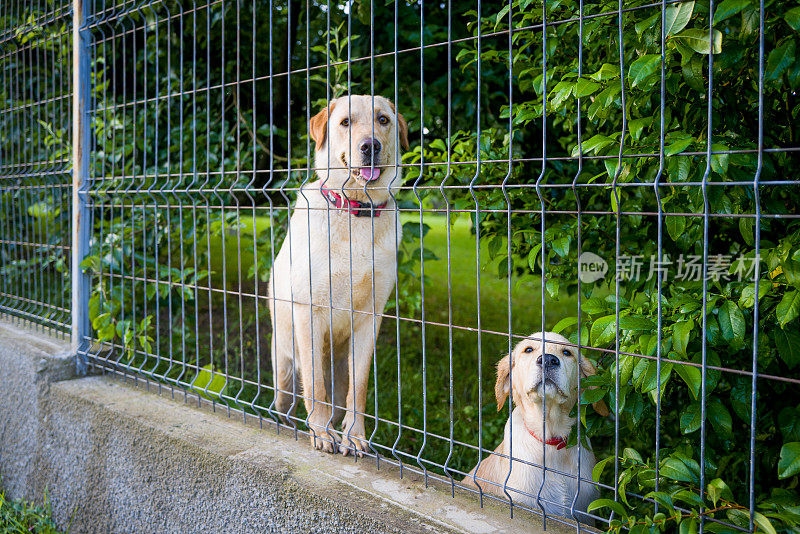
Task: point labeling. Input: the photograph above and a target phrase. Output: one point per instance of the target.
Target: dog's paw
(323, 441)
(357, 444)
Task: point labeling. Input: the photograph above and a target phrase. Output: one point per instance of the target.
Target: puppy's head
(357, 140)
(543, 369)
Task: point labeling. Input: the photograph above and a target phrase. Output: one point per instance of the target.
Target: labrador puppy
(336, 268)
(540, 370)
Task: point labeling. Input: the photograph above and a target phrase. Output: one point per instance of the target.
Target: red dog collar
(558, 442)
(354, 207)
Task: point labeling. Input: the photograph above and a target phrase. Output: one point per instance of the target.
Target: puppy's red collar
(354, 207)
(558, 442)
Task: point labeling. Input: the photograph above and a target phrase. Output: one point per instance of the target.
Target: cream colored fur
(335, 271)
(558, 491)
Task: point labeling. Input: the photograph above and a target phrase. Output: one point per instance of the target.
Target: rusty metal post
(80, 176)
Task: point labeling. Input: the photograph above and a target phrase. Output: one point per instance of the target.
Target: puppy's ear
(318, 126)
(502, 385)
(588, 369)
(402, 127)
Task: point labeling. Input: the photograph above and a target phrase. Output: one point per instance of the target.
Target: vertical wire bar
(239, 117)
(372, 230)
(448, 251)
(757, 260)
(80, 180)
(617, 251)
(477, 228)
(422, 238)
(503, 188)
(578, 237)
(660, 251)
(544, 265)
(301, 193)
(396, 215)
(249, 187)
(706, 213)
(329, 425)
(192, 185)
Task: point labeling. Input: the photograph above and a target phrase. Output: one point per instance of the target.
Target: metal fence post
(80, 176)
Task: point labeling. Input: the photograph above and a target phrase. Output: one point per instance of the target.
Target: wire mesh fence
(622, 174)
(35, 165)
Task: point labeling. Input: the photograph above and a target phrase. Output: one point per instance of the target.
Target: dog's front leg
(359, 360)
(313, 354)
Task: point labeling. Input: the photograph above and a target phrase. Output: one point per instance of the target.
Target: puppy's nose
(550, 360)
(370, 147)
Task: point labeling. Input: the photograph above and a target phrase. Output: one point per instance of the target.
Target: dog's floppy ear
(588, 369)
(318, 125)
(502, 386)
(402, 127)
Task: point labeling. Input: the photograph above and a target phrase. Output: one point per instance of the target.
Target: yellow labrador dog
(540, 370)
(336, 267)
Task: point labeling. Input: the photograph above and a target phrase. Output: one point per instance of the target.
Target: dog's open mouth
(368, 174)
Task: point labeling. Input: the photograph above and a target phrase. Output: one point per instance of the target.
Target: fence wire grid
(623, 174)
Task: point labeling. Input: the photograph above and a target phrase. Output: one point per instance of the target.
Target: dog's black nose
(550, 360)
(370, 147)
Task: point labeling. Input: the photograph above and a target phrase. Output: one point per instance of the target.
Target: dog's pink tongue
(370, 173)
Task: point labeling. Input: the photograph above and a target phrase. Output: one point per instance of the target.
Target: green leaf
(678, 146)
(697, 39)
(789, 307)
(691, 418)
(789, 464)
(606, 72)
(763, 523)
(720, 417)
(675, 226)
(788, 344)
(604, 330)
(717, 489)
(789, 420)
(597, 470)
(792, 18)
(564, 323)
(748, 298)
(691, 375)
(636, 126)
(561, 246)
(636, 322)
(729, 8)
(677, 16)
(643, 68)
(680, 335)
(676, 470)
(731, 322)
(608, 503)
(585, 87)
(779, 60)
(689, 525)
(719, 162)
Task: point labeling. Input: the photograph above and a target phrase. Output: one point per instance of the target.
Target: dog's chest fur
(558, 491)
(346, 256)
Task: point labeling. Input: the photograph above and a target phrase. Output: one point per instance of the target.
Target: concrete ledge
(29, 364)
(111, 457)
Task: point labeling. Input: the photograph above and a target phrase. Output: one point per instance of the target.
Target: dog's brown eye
(383, 119)
(345, 122)
(566, 352)
(528, 349)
